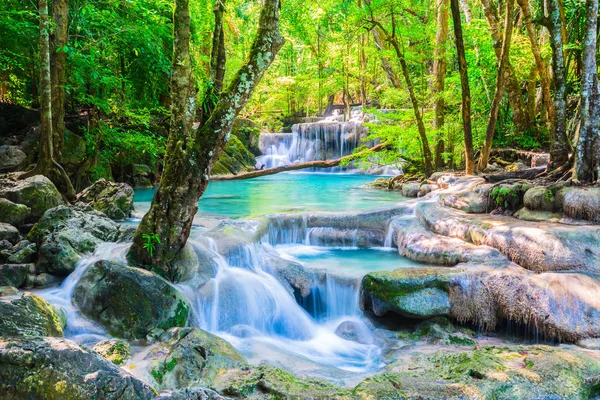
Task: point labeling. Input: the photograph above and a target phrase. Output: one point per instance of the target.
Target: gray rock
(57, 368)
(11, 158)
(191, 357)
(14, 214)
(17, 275)
(411, 189)
(9, 233)
(191, 394)
(539, 198)
(354, 331)
(129, 302)
(29, 315)
(472, 199)
(37, 192)
(113, 199)
(64, 234)
(23, 252)
(580, 203)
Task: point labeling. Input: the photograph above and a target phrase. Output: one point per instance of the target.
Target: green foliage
(152, 240)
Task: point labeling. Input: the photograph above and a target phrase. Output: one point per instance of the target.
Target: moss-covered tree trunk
(502, 64)
(58, 60)
(190, 154)
(559, 146)
(439, 73)
(587, 161)
(466, 91)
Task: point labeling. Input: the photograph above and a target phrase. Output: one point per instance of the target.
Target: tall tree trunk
(513, 88)
(587, 160)
(493, 118)
(468, 17)
(541, 66)
(466, 91)
(58, 59)
(191, 153)
(560, 147)
(439, 73)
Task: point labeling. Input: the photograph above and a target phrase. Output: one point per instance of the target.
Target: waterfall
(312, 141)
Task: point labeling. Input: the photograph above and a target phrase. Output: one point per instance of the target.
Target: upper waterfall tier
(312, 141)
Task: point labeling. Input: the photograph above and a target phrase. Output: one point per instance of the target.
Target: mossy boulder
(23, 252)
(191, 357)
(509, 196)
(111, 198)
(507, 372)
(57, 368)
(268, 382)
(440, 331)
(540, 198)
(37, 192)
(17, 275)
(12, 213)
(115, 351)
(26, 314)
(129, 302)
(64, 234)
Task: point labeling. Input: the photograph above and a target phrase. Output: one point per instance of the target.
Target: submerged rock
(115, 351)
(37, 192)
(111, 198)
(64, 234)
(27, 314)
(12, 213)
(56, 368)
(129, 302)
(190, 357)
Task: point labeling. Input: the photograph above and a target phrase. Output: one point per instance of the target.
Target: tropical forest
(292, 199)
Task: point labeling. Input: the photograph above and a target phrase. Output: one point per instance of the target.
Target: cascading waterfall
(324, 140)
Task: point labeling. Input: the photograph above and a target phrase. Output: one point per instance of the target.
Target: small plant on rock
(152, 240)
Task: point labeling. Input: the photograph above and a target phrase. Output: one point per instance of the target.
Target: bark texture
(466, 91)
(58, 59)
(502, 65)
(560, 147)
(191, 153)
(439, 73)
(587, 156)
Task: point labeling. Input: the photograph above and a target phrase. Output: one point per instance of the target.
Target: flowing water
(246, 302)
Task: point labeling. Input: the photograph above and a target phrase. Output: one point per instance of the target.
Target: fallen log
(528, 174)
(295, 167)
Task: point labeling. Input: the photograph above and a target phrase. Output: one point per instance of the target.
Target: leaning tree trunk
(560, 147)
(191, 154)
(439, 73)
(589, 136)
(466, 91)
(58, 59)
(493, 118)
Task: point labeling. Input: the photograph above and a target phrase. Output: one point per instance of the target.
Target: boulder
(508, 196)
(411, 189)
(111, 198)
(9, 233)
(27, 314)
(11, 158)
(191, 357)
(268, 382)
(57, 368)
(355, 331)
(14, 214)
(129, 302)
(191, 394)
(471, 199)
(580, 203)
(114, 350)
(441, 331)
(540, 198)
(64, 234)
(23, 252)
(17, 275)
(37, 192)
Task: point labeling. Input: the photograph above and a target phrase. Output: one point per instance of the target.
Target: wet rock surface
(129, 302)
(37, 192)
(26, 314)
(111, 198)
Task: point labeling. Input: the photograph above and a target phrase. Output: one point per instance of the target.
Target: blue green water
(286, 192)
